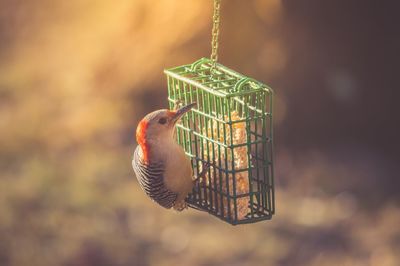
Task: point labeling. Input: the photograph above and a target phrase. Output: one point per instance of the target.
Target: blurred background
(77, 76)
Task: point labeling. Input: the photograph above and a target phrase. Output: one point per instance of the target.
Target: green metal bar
(184, 119)
(261, 106)
(219, 108)
(250, 107)
(199, 85)
(169, 89)
(265, 169)
(210, 116)
(178, 132)
(190, 119)
(272, 152)
(199, 195)
(248, 135)
(232, 161)
(226, 167)
(245, 144)
(193, 122)
(204, 127)
(204, 137)
(208, 124)
(217, 82)
(212, 102)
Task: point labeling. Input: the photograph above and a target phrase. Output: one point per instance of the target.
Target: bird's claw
(200, 178)
(205, 166)
(180, 206)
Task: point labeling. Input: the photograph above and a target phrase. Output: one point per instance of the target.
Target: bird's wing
(151, 180)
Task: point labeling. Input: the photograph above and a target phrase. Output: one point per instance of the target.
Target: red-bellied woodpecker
(163, 170)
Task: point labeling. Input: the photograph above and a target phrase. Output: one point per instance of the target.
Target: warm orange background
(77, 76)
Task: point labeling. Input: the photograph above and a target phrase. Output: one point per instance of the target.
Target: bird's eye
(162, 120)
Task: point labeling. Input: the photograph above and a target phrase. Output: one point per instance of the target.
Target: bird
(161, 166)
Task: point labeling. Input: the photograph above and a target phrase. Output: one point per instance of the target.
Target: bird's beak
(181, 111)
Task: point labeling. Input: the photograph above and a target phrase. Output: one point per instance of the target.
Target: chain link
(215, 35)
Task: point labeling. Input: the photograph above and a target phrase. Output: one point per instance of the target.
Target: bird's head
(159, 126)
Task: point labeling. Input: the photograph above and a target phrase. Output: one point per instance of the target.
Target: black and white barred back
(151, 180)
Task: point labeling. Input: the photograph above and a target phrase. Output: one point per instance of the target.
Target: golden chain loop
(215, 34)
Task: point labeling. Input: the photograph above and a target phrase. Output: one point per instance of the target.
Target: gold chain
(215, 34)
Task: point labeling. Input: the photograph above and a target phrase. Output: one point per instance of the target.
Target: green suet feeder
(231, 130)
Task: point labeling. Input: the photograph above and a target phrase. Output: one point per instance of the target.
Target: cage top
(223, 82)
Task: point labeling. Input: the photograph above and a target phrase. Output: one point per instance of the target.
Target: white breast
(178, 171)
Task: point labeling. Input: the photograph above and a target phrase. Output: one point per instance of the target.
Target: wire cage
(231, 130)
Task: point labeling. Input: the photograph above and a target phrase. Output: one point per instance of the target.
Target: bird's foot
(201, 177)
(180, 206)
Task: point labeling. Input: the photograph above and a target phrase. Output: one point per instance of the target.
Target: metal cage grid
(231, 129)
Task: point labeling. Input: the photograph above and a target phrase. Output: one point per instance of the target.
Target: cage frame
(228, 90)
